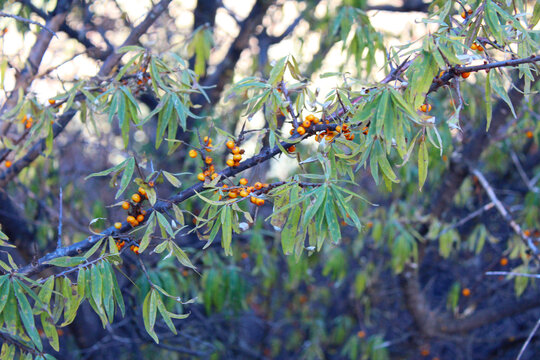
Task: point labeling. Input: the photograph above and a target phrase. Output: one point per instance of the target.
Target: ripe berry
(207, 140)
(237, 157)
(52, 101)
(474, 46)
(260, 202)
(140, 218)
(466, 292)
(465, 75)
(214, 175)
(504, 261)
(142, 191)
(338, 128)
(118, 225)
(208, 160)
(306, 123)
(151, 183)
(469, 12)
(243, 193)
(300, 130)
(480, 48)
(192, 153)
(125, 205)
(136, 198)
(258, 186)
(361, 334)
(233, 195)
(529, 135)
(8, 163)
(291, 149)
(253, 199)
(243, 181)
(230, 144)
(310, 117)
(130, 219)
(135, 249)
(235, 150)
(291, 131)
(464, 14)
(201, 177)
(230, 162)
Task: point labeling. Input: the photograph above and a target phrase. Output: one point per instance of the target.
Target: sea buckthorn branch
(65, 118)
(28, 21)
(461, 70)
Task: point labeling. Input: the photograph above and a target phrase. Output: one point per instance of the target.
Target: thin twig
(28, 21)
(522, 173)
(508, 273)
(59, 241)
(529, 338)
(502, 210)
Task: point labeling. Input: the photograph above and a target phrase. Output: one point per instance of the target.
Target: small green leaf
(126, 177)
(423, 159)
(149, 314)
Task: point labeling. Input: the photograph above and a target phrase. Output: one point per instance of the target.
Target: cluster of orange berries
(425, 108)
(27, 121)
(243, 191)
(308, 121)
(477, 47)
(209, 169)
(467, 13)
(329, 135)
(135, 212)
(236, 153)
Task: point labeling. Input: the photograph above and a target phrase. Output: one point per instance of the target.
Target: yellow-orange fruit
(243, 193)
(301, 130)
(192, 153)
(230, 144)
(52, 101)
(208, 160)
(465, 75)
(464, 14)
(529, 135)
(233, 195)
(260, 202)
(142, 191)
(291, 148)
(125, 205)
(253, 199)
(339, 128)
(503, 261)
(235, 150)
(230, 162)
(140, 218)
(474, 46)
(243, 181)
(136, 198)
(466, 292)
(306, 123)
(8, 163)
(310, 117)
(118, 225)
(201, 177)
(237, 157)
(258, 185)
(130, 219)
(214, 175)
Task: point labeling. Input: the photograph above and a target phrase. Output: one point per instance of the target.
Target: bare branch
(28, 21)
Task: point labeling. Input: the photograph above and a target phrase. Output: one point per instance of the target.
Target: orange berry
(503, 261)
(142, 191)
(423, 108)
(214, 175)
(125, 205)
(243, 181)
(192, 153)
(464, 14)
(230, 162)
(151, 183)
(118, 225)
(441, 74)
(140, 218)
(136, 198)
(208, 160)
(306, 123)
(235, 150)
(260, 202)
(135, 223)
(237, 157)
(8, 163)
(243, 193)
(315, 120)
(480, 48)
(258, 186)
(428, 107)
(474, 46)
(529, 135)
(29, 123)
(131, 219)
(465, 75)
(291, 131)
(466, 292)
(230, 144)
(52, 101)
(301, 130)
(236, 163)
(361, 334)
(233, 195)
(135, 250)
(207, 140)
(310, 117)
(201, 177)
(253, 199)
(365, 130)
(424, 351)
(527, 233)
(143, 212)
(209, 148)
(469, 11)
(244, 255)
(345, 127)
(338, 128)
(291, 148)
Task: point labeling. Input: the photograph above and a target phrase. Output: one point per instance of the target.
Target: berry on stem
(136, 198)
(192, 153)
(125, 205)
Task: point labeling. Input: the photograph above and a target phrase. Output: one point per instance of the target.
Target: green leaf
(423, 159)
(27, 316)
(288, 235)
(5, 286)
(66, 261)
(149, 314)
(276, 74)
(150, 227)
(172, 179)
(97, 285)
(164, 224)
(226, 230)
(126, 177)
(108, 171)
